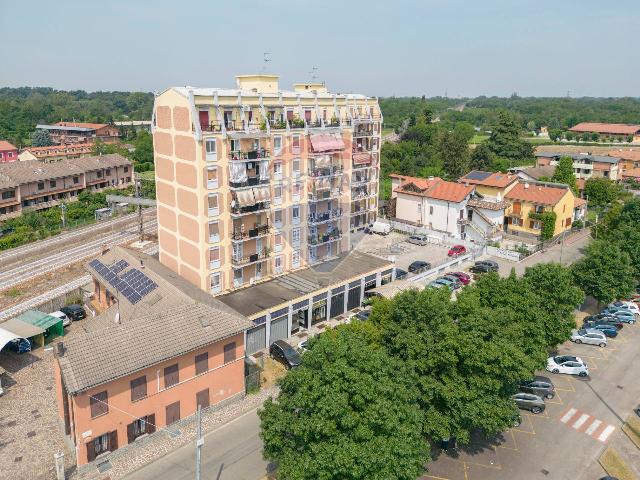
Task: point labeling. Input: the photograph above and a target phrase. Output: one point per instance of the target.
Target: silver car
(418, 240)
(590, 336)
(529, 401)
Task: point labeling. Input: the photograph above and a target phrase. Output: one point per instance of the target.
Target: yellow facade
(521, 210)
(494, 192)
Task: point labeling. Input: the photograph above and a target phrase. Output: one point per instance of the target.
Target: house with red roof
(8, 152)
(620, 131)
(433, 203)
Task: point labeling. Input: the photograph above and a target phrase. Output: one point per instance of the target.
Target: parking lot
(566, 440)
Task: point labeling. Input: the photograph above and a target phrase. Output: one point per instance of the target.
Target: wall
(408, 208)
(445, 215)
(504, 253)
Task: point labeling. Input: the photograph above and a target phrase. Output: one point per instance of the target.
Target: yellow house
(492, 186)
(529, 199)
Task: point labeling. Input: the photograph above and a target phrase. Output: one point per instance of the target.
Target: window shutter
(130, 436)
(202, 363)
(151, 423)
(91, 451)
(202, 398)
(113, 441)
(171, 376)
(229, 352)
(138, 388)
(98, 403)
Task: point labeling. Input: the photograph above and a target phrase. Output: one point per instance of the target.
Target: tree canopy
(564, 174)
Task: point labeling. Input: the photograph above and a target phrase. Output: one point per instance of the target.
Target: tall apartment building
(254, 182)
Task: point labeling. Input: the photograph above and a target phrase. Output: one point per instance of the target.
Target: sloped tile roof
(540, 194)
(434, 187)
(494, 179)
(612, 128)
(4, 145)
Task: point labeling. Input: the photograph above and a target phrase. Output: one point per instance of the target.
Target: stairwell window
(278, 244)
(211, 149)
(295, 143)
(214, 257)
(277, 170)
(214, 232)
(277, 195)
(277, 218)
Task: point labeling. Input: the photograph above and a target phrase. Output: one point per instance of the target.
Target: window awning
(323, 161)
(361, 158)
(326, 143)
(245, 198)
(262, 194)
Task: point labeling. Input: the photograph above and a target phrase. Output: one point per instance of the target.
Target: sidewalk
(128, 459)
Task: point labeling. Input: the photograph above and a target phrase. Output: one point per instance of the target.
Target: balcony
(277, 124)
(321, 172)
(363, 133)
(360, 181)
(252, 181)
(324, 217)
(240, 235)
(322, 239)
(323, 195)
(361, 195)
(251, 259)
(238, 211)
(463, 221)
(248, 155)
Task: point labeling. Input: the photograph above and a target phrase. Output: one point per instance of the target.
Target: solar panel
(132, 284)
(477, 175)
(119, 266)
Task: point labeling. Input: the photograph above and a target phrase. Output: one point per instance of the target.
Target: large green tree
(453, 150)
(600, 191)
(505, 140)
(344, 414)
(41, 138)
(564, 174)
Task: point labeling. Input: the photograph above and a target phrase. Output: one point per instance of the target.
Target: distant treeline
(21, 109)
(530, 112)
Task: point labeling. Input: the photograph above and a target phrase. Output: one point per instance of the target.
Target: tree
(605, 272)
(505, 139)
(143, 144)
(343, 414)
(564, 174)
(600, 191)
(453, 150)
(482, 157)
(41, 138)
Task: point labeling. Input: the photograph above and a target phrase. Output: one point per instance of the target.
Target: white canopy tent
(14, 328)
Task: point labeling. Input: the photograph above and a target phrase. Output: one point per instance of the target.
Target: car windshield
(582, 331)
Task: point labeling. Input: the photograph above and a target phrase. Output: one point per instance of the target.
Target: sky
(382, 48)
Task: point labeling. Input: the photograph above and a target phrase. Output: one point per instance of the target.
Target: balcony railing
(277, 124)
(315, 240)
(250, 182)
(329, 216)
(356, 181)
(258, 207)
(249, 259)
(333, 171)
(363, 133)
(361, 195)
(320, 196)
(363, 148)
(243, 155)
(257, 231)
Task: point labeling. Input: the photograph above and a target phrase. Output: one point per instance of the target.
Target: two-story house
(8, 152)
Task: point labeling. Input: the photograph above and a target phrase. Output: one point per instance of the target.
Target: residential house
(433, 203)
(135, 125)
(161, 349)
(528, 199)
(619, 131)
(585, 165)
(34, 185)
(63, 133)
(629, 159)
(55, 153)
(543, 174)
(8, 152)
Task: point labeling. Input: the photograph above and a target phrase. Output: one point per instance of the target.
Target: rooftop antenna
(314, 74)
(265, 59)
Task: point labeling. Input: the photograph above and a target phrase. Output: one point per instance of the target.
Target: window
(202, 399)
(277, 170)
(107, 442)
(126, 169)
(539, 209)
(211, 149)
(214, 257)
(295, 237)
(171, 376)
(278, 242)
(138, 388)
(277, 144)
(142, 426)
(517, 207)
(295, 214)
(202, 363)
(99, 404)
(52, 184)
(172, 413)
(99, 174)
(212, 177)
(40, 185)
(296, 167)
(108, 172)
(216, 283)
(277, 218)
(296, 188)
(235, 145)
(295, 142)
(431, 210)
(213, 205)
(295, 258)
(77, 179)
(229, 352)
(278, 264)
(8, 194)
(214, 232)
(277, 194)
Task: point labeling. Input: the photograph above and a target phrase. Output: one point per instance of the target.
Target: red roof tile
(495, 179)
(633, 155)
(435, 188)
(535, 193)
(95, 126)
(633, 173)
(4, 145)
(611, 128)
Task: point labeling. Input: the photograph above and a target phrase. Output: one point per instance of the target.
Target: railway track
(28, 271)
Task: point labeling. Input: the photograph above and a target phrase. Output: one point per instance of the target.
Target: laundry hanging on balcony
(261, 194)
(322, 162)
(326, 143)
(264, 169)
(238, 172)
(361, 158)
(245, 198)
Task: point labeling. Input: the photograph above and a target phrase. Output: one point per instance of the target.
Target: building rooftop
(538, 173)
(4, 145)
(488, 179)
(64, 128)
(60, 149)
(538, 193)
(234, 92)
(632, 173)
(580, 156)
(173, 319)
(434, 187)
(90, 126)
(280, 290)
(633, 155)
(611, 128)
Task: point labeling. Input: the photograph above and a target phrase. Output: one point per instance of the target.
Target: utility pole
(63, 209)
(199, 442)
(562, 245)
(140, 230)
(59, 458)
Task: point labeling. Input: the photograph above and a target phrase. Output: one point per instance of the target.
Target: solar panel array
(477, 175)
(132, 284)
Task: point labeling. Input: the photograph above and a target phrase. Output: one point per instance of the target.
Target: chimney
(60, 349)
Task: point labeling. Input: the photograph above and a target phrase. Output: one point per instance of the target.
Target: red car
(463, 277)
(457, 250)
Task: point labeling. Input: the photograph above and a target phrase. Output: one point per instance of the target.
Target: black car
(419, 266)
(285, 354)
(400, 274)
(603, 318)
(484, 266)
(539, 385)
(74, 312)
(609, 329)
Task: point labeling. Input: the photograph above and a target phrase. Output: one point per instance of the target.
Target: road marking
(606, 433)
(567, 416)
(593, 427)
(578, 423)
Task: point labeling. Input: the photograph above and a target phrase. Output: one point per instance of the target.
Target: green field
(477, 139)
(387, 131)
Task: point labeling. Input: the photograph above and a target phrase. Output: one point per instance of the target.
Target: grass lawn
(150, 175)
(615, 466)
(476, 139)
(539, 141)
(632, 429)
(387, 131)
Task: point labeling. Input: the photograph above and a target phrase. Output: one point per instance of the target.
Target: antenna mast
(265, 59)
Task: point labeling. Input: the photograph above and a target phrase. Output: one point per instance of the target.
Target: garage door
(256, 339)
(337, 305)
(278, 329)
(353, 300)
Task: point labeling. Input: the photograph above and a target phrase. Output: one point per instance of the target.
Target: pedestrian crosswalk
(588, 424)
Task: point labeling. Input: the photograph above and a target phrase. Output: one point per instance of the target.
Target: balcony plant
(297, 122)
(263, 125)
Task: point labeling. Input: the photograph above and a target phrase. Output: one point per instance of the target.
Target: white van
(381, 228)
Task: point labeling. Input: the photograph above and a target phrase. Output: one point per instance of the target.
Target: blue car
(625, 316)
(19, 345)
(608, 329)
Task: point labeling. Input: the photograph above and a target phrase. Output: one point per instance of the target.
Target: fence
(437, 238)
(510, 255)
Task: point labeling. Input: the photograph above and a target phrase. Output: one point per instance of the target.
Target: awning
(245, 198)
(262, 194)
(361, 158)
(326, 143)
(38, 319)
(14, 328)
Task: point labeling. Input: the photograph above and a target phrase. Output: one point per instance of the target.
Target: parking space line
(513, 437)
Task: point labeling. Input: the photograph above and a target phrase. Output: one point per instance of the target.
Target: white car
(66, 321)
(627, 306)
(590, 336)
(567, 364)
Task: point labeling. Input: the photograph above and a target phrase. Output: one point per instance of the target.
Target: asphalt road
(232, 452)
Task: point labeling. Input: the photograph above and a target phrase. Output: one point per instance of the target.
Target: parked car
(445, 283)
(418, 240)
(381, 228)
(602, 318)
(608, 329)
(567, 364)
(453, 282)
(589, 336)
(436, 284)
(74, 312)
(19, 345)
(284, 353)
(539, 385)
(463, 277)
(529, 401)
(361, 315)
(65, 320)
(484, 266)
(400, 274)
(419, 266)
(622, 305)
(625, 316)
(457, 250)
